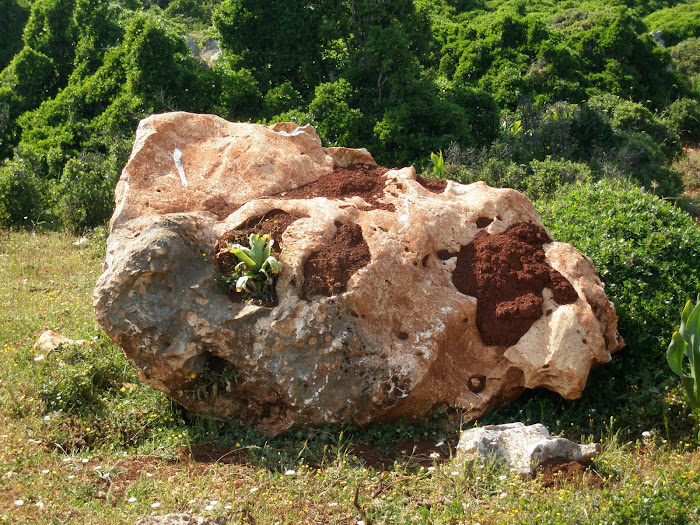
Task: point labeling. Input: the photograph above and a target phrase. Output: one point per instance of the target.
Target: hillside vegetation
(505, 88)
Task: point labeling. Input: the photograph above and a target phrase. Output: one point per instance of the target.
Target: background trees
(514, 90)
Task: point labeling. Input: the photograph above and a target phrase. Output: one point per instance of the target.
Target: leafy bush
(13, 16)
(22, 196)
(51, 31)
(676, 23)
(86, 192)
(540, 149)
(337, 123)
(645, 250)
(683, 117)
(686, 61)
(548, 175)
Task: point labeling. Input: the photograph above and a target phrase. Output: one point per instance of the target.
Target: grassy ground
(689, 167)
(82, 441)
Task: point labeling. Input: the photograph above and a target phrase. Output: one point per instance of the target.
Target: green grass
(83, 441)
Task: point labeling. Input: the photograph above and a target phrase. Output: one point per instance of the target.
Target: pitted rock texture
(395, 293)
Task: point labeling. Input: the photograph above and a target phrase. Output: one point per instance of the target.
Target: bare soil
(555, 474)
(507, 272)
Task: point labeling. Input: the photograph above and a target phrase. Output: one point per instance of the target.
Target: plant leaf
(684, 318)
(241, 283)
(273, 264)
(675, 353)
(245, 255)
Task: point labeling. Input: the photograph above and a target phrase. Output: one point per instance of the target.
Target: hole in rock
(327, 271)
(483, 222)
(213, 376)
(444, 255)
(506, 273)
(477, 383)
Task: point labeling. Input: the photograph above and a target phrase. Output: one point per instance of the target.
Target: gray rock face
(521, 447)
(395, 293)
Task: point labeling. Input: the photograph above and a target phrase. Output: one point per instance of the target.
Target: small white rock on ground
(522, 448)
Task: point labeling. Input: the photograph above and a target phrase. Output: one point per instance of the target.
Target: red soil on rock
(358, 180)
(506, 273)
(327, 271)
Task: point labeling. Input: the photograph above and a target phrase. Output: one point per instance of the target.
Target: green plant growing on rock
(686, 343)
(256, 273)
(438, 165)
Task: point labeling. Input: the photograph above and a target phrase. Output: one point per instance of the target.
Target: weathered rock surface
(521, 447)
(395, 292)
(49, 341)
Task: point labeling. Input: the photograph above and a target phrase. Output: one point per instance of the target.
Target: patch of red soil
(418, 453)
(212, 453)
(357, 180)
(554, 474)
(434, 185)
(507, 272)
(327, 271)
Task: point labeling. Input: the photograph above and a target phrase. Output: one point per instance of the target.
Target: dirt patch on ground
(423, 453)
(213, 453)
(327, 271)
(358, 180)
(555, 474)
(507, 272)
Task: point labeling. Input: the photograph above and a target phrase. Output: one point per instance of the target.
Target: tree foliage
(593, 95)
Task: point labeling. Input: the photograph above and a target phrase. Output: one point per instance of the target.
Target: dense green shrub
(683, 117)
(676, 23)
(13, 16)
(337, 123)
(686, 61)
(51, 31)
(277, 40)
(645, 250)
(31, 77)
(85, 192)
(547, 176)
(541, 148)
(23, 195)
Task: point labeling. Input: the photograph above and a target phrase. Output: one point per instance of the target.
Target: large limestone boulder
(395, 292)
